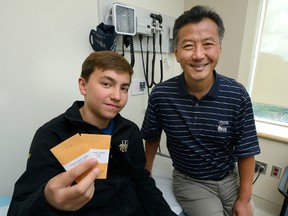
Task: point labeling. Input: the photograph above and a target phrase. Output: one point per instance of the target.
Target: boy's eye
(125, 89)
(106, 84)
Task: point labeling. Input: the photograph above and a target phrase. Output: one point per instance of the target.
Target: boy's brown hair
(105, 60)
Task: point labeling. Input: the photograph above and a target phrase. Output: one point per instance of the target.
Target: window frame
(257, 46)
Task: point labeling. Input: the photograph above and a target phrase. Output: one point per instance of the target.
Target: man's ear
(82, 85)
(176, 54)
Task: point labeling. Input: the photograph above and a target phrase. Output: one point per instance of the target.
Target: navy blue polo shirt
(204, 137)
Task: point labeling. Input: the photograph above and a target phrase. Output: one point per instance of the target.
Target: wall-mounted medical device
(135, 26)
(144, 24)
(124, 19)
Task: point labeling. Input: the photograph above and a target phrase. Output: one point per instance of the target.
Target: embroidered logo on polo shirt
(123, 146)
(222, 127)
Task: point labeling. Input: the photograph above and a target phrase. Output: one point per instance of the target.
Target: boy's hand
(60, 193)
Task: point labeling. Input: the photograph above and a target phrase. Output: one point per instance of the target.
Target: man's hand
(242, 208)
(60, 193)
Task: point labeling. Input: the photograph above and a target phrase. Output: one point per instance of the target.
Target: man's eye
(208, 45)
(188, 46)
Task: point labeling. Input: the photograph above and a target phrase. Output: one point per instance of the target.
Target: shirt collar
(183, 92)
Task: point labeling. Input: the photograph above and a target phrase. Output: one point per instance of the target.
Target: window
(269, 85)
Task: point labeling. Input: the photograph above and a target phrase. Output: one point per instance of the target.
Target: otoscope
(156, 17)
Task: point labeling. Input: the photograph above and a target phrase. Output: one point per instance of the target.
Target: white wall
(249, 42)
(42, 47)
(265, 189)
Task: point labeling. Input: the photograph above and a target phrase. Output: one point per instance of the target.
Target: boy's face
(105, 94)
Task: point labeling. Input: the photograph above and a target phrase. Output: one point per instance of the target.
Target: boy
(45, 189)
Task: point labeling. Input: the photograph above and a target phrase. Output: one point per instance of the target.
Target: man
(208, 121)
(46, 189)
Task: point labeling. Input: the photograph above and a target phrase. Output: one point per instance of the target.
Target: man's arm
(242, 206)
(150, 152)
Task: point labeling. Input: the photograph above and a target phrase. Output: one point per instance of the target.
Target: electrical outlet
(276, 171)
(259, 164)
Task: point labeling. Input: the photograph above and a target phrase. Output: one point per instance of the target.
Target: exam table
(162, 173)
(4, 204)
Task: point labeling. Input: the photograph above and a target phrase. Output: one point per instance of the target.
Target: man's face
(105, 93)
(198, 49)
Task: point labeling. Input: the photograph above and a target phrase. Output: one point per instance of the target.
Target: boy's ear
(82, 85)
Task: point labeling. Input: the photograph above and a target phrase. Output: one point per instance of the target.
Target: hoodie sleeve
(28, 197)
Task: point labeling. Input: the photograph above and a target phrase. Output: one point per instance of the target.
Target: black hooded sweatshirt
(128, 190)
